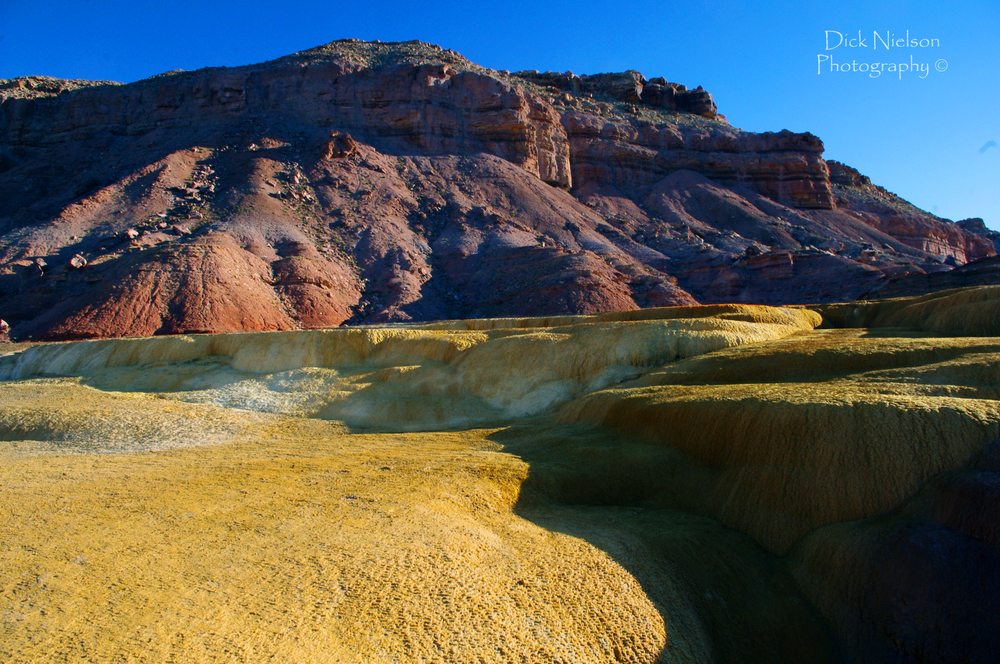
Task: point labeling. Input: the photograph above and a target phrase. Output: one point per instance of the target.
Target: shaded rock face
(632, 87)
(431, 108)
(954, 243)
(984, 272)
(368, 183)
(634, 155)
(977, 226)
(925, 578)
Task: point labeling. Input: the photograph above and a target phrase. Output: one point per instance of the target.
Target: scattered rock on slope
(371, 183)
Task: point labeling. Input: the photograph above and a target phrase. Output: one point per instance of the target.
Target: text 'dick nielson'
(875, 53)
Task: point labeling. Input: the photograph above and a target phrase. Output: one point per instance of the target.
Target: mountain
(368, 183)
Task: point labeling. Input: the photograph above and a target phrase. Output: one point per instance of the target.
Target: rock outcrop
(977, 226)
(955, 243)
(631, 87)
(633, 156)
(366, 183)
(984, 272)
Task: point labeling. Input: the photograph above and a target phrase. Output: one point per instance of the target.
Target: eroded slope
(370, 183)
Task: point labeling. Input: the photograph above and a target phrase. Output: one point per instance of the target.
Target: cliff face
(910, 225)
(434, 108)
(365, 182)
(633, 156)
(634, 149)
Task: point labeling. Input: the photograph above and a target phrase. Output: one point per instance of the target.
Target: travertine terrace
(725, 483)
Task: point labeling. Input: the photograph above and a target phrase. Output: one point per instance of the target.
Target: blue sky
(917, 133)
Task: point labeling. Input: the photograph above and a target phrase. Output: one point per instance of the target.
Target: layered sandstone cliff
(956, 243)
(365, 182)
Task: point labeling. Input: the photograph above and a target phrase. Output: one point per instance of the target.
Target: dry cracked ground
(693, 484)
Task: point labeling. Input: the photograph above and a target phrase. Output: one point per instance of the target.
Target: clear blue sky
(918, 134)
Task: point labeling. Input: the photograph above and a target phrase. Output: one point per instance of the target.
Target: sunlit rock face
(688, 484)
(370, 183)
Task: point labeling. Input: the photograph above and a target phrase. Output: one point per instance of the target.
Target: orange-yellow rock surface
(693, 484)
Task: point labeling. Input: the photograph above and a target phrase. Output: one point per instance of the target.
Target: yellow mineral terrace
(658, 485)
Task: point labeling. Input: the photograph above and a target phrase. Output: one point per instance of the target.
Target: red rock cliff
(365, 182)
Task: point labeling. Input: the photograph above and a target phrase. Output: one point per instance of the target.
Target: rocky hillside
(367, 183)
